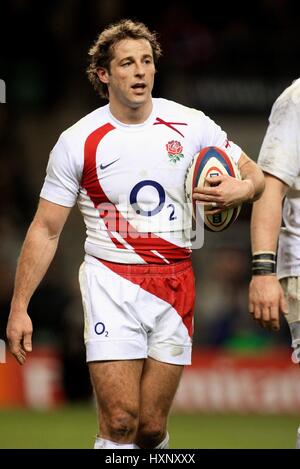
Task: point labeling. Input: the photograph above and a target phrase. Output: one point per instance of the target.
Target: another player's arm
(36, 255)
(266, 297)
(227, 191)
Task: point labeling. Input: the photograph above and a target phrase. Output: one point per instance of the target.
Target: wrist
(251, 189)
(264, 263)
(19, 304)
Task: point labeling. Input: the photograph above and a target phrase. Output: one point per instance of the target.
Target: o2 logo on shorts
(100, 329)
(161, 199)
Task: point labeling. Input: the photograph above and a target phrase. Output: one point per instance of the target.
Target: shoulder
(285, 112)
(292, 92)
(289, 99)
(77, 133)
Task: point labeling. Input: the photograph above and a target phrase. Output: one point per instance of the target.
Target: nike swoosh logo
(104, 166)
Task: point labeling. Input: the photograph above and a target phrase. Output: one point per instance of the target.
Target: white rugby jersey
(280, 157)
(128, 180)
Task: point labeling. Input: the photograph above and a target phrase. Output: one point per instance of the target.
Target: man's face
(131, 76)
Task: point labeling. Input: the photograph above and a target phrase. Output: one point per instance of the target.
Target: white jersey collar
(133, 127)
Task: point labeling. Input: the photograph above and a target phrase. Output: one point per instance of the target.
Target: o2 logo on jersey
(161, 199)
(161, 196)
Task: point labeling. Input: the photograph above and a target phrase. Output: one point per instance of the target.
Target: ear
(103, 75)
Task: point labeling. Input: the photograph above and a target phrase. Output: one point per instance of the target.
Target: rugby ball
(209, 162)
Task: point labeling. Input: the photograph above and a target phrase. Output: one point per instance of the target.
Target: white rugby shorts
(291, 288)
(137, 311)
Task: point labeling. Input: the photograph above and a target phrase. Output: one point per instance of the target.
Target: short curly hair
(101, 52)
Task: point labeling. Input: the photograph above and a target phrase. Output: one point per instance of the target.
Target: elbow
(47, 230)
(260, 187)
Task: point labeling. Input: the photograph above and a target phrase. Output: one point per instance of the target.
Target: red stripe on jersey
(170, 124)
(143, 244)
(90, 180)
(173, 283)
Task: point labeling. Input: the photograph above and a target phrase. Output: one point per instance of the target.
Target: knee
(150, 434)
(120, 423)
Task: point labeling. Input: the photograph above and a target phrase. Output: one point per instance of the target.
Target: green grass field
(75, 427)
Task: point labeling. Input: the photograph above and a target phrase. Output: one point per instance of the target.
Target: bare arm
(229, 191)
(266, 297)
(36, 255)
(251, 173)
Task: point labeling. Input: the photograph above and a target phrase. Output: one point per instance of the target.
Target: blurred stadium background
(231, 62)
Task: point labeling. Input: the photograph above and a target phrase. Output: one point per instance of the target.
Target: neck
(131, 115)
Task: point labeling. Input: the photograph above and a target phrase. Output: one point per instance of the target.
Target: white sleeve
(213, 135)
(279, 155)
(61, 185)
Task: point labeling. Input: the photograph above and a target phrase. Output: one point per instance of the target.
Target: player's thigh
(158, 387)
(116, 383)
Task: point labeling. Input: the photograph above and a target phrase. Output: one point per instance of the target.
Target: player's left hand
(266, 301)
(224, 191)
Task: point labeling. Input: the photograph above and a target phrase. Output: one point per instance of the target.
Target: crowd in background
(43, 60)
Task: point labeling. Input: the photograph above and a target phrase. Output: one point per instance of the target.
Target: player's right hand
(19, 334)
(266, 300)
